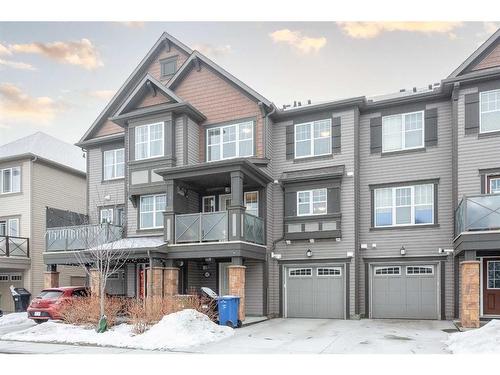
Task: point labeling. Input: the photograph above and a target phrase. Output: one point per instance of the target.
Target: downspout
(30, 197)
(150, 278)
(266, 124)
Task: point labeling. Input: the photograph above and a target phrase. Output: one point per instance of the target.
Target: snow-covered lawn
(484, 340)
(179, 330)
(14, 319)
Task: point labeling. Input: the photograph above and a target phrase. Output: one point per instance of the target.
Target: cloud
(80, 53)
(102, 94)
(301, 43)
(16, 65)
(210, 50)
(4, 51)
(133, 24)
(19, 106)
(369, 30)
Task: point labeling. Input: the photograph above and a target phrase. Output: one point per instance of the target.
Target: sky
(56, 77)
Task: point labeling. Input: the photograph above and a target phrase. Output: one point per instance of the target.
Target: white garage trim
(329, 271)
(387, 271)
(300, 272)
(419, 270)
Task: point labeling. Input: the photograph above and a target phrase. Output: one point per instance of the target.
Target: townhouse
(41, 179)
(383, 207)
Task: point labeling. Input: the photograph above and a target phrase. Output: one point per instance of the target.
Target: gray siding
(193, 142)
(254, 287)
(179, 140)
(433, 163)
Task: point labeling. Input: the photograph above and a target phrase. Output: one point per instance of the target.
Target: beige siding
(154, 68)
(491, 60)
(108, 128)
(254, 287)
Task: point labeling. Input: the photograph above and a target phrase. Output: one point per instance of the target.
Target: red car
(48, 303)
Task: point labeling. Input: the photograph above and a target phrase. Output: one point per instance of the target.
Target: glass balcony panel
(214, 226)
(481, 212)
(187, 228)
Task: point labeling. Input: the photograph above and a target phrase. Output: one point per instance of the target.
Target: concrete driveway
(309, 336)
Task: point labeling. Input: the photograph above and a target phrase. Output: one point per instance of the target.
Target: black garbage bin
(21, 299)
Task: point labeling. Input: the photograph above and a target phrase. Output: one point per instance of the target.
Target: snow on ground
(484, 340)
(178, 330)
(14, 319)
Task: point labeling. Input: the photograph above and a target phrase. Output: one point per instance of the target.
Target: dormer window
(168, 66)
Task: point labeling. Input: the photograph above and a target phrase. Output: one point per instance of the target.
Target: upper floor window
(230, 141)
(151, 211)
(494, 184)
(313, 138)
(403, 131)
(404, 205)
(106, 216)
(252, 202)
(9, 227)
(312, 202)
(490, 111)
(10, 180)
(168, 66)
(114, 164)
(149, 141)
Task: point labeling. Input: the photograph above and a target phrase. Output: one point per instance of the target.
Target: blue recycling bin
(228, 311)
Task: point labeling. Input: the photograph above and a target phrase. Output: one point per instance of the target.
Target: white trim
(101, 210)
(375, 269)
(221, 197)
(154, 212)
(12, 191)
(427, 266)
(114, 165)
(245, 199)
(481, 112)
(339, 269)
(311, 202)
(311, 139)
(403, 131)
(487, 273)
(491, 179)
(220, 144)
(203, 202)
(290, 270)
(148, 141)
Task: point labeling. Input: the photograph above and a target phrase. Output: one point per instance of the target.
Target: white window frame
(375, 269)
(312, 139)
(487, 274)
(481, 112)
(336, 269)
(245, 199)
(111, 217)
(9, 227)
(154, 212)
(403, 131)
(4, 276)
(13, 277)
(427, 266)
(11, 169)
(148, 141)
(311, 202)
(290, 270)
(206, 197)
(393, 207)
(114, 164)
(491, 184)
(221, 142)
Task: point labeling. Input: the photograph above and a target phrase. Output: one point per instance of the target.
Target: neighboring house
(341, 209)
(41, 178)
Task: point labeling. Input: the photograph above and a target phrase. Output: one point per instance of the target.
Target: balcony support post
(236, 276)
(470, 287)
(237, 208)
(51, 277)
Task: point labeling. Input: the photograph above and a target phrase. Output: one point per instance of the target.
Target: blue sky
(57, 77)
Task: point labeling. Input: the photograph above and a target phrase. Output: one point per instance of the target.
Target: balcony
(81, 237)
(11, 246)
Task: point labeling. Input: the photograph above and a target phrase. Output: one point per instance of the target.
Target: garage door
(405, 292)
(314, 292)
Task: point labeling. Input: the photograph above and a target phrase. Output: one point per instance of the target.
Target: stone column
(95, 278)
(236, 275)
(170, 281)
(51, 277)
(470, 291)
(155, 282)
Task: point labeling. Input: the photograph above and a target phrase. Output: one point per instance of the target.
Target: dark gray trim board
(217, 250)
(481, 240)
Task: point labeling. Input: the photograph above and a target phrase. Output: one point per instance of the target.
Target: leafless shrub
(85, 310)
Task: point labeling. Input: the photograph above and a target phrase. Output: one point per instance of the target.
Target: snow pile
(15, 319)
(178, 330)
(484, 340)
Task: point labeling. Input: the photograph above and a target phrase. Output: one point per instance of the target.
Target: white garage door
(314, 291)
(407, 291)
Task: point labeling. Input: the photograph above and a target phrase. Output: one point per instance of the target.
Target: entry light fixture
(350, 174)
(447, 251)
(288, 242)
(350, 254)
(364, 246)
(374, 245)
(311, 240)
(309, 253)
(402, 250)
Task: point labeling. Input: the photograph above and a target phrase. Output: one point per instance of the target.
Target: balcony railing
(11, 246)
(479, 212)
(80, 237)
(213, 227)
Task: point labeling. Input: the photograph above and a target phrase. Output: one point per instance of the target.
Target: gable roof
(184, 69)
(127, 85)
(45, 147)
(482, 51)
(140, 89)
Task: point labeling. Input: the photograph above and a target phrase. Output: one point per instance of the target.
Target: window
(313, 138)
(4, 277)
(298, 272)
(419, 270)
(489, 120)
(120, 217)
(406, 205)
(151, 211)
(106, 216)
(10, 180)
(149, 141)
(168, 67)
(493, 274)
(230, 141)
(209, 203)
(3, 228)
(9, 227)
(329, 271)
(312, 202)
(252, 202)
(114, 164)
(494, 184)
(403, 132)
(387, 271)
(16, 277)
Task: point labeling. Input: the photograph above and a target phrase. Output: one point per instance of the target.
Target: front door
(491, 286)
(224, 201)
(223, 279)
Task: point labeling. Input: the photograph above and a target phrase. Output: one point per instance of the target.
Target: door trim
(481, 286)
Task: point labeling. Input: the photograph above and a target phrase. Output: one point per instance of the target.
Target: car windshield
(50, 294)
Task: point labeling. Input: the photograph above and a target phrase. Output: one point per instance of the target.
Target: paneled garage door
(405, 291)
(314, 291)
